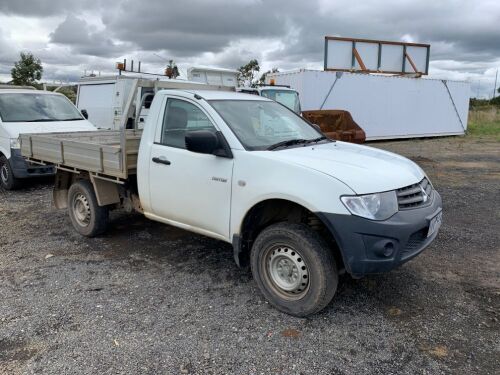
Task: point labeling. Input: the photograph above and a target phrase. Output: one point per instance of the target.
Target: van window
(24, 107)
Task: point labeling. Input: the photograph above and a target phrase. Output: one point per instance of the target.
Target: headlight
(379, 206)
(14, 143)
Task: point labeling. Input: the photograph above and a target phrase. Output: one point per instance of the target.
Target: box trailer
(384, 106)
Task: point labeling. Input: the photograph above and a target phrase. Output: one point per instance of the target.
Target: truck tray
(105, 152)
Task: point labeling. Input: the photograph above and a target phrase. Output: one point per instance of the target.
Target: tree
(27, 70)
(247, 73)
(69, 92)
(262, 79)
(495, 100)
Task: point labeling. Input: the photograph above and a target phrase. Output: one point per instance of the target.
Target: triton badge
(219, 179)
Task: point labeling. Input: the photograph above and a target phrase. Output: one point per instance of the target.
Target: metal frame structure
(356, 57)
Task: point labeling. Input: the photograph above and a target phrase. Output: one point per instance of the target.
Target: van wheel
(294, 268)
(7, 179)
(88, 218)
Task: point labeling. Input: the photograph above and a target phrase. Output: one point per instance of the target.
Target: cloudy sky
(73, 36)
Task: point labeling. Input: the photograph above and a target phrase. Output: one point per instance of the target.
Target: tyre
(88, 218)
(7, 179)
(294, 268)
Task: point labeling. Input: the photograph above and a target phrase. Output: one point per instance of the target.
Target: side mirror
(201, 141)
(207, 142)
(85, 114)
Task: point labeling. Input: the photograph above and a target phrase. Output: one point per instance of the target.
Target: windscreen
(261, 124)
(16, 107)
(288, 98)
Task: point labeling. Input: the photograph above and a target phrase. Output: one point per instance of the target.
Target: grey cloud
(229, 33)
(193, 27)
(76, 33)
(38, 8)
(8, 53)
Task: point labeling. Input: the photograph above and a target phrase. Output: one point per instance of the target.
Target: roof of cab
(215, 94)
(27, 91)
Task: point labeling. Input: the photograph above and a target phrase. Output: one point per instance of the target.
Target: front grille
(415, 195)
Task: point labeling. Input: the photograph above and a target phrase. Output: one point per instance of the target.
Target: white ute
(32, 111)
(297, 207)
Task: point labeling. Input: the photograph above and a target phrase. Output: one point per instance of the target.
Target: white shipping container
(385, 106)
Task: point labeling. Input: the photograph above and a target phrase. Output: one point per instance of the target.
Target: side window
(149, 99)
(181, 116)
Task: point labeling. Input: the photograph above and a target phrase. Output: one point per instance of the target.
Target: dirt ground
(151, 299)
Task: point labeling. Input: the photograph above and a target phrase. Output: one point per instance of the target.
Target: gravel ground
(148, 298)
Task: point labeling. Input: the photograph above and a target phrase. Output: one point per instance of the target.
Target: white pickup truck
(297, 207)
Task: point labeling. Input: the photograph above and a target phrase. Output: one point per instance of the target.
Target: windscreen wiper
(287, 143)
(72, 119)
(316, 140)
(43, 120)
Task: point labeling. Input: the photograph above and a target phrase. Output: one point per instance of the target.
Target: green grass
(484, 122)
(488, 129)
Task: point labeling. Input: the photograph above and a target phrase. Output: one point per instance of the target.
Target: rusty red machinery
(336, 124)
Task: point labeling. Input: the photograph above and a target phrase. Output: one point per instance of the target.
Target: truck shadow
(147, 244)
(140, 240)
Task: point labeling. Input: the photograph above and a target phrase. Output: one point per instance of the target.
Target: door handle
(161, 161)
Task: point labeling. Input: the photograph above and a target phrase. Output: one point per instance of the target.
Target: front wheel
(7, 179)
(88, 218)
(294, 268)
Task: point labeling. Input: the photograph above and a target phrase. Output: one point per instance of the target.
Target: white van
(32, 111)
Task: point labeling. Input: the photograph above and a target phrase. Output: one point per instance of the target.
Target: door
(186, 187)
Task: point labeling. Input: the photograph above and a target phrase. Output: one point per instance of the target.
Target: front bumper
(369, 246)
(23, 169)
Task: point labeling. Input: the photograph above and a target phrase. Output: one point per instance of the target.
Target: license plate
(435, 223)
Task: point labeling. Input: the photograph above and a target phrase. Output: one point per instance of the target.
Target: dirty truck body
(297, 207)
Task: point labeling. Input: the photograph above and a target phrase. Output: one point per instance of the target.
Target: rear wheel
(294, 268)
(88, 218)
(7, 179)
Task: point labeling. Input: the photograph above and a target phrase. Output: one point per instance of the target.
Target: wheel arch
(4, 153)
(106, 192)
(273, 210)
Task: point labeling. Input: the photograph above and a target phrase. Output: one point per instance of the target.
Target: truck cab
(32, 111)
(281, 94)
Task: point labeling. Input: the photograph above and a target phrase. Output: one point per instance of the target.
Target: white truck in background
(281, 94)
(104, 98)
(297, 207)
